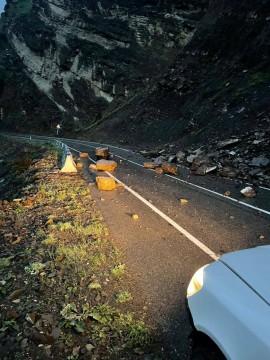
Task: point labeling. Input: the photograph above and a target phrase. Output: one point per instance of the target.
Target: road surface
(170, 241)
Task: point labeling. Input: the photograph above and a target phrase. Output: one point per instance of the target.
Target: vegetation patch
(62, 282)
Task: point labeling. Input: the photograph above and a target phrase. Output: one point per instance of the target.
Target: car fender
(240, 328)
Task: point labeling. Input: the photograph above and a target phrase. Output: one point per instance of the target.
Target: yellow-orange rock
(150, 165)
(169, 169)
(106, 165)
(105, 183)
(92, 167)
(84, 155)
(183, 201)
(79, 165)
(159, 170)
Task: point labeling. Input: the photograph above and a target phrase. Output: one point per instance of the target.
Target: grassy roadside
(62, 281)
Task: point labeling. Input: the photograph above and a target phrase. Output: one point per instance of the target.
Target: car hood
(253, 267)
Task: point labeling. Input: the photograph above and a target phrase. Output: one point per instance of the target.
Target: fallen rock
(191, 158)
(227, 193)
(204, 169)
(169, 168)
(149, 153)
(159, 170)
(79, 165)
(105, 183)
(183, 201)
(135, 217)
(150, 165)
(172, 159)
(102, 153)
(227, 172)
(227, 143)
(106, 165)
(199, 161)
(159, 160)
(260, 161)
(248, 192)
(84, 155)
(180, 156)
(93, 167)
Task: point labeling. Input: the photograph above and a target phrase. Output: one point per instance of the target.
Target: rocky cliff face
(77, 60)
(217, 87)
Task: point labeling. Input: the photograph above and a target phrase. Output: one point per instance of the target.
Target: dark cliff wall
(86, 58)
(219, 85)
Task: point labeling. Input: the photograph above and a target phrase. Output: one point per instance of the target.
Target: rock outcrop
(82, 59)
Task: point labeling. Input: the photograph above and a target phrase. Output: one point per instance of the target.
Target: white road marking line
(186, 182)
(264, 188)
(205, 189)
(92, 142)
(221, 195)
(195, 241)
(132, 162)
(170, 221)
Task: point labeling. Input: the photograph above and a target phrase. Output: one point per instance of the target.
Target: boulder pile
(246, 157)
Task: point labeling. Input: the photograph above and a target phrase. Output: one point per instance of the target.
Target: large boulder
(106, 165)
(102, 153)
(105, 183)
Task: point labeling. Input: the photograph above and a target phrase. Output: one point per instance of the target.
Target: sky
(2, 4)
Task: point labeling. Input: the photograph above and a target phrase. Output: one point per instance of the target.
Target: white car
(229, 302)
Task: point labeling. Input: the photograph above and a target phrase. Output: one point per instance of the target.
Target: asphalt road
(159, 255)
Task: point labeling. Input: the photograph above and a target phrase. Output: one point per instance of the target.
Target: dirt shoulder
(64, 288)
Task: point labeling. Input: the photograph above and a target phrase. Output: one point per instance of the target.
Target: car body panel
(232, 314)
(253, 266)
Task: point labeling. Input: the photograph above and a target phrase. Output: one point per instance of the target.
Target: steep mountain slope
(217, 87)
(73, 61)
